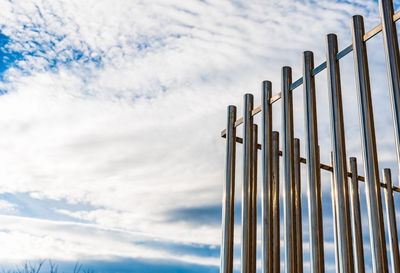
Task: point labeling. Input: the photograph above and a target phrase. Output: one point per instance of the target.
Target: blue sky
(111, 112)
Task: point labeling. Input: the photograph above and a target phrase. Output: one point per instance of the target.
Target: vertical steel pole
(266, 185)
(228, 200)
(372, 185)
(288, 171)
(253, 190)
(276, 249)
(313, 168)
(339, 158)
(297, 203)
(391, 45)
(391, 219)
(356, 217)
(247, 177)
(334, 220)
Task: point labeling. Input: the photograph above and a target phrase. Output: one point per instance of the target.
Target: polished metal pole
(288, 171)
(297, 204)
(276, 248)
(391, 220)
(246, 188)
(253, 190)
(356, 217)
(334, 220)
(266, 185)
(339, 158)
(313, 167)
(228, 199)
(372, 185)
(391, 46)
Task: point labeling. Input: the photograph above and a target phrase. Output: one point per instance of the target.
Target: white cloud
(68, 241)
(7, 207)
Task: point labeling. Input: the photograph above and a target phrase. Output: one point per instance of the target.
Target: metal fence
(345, 192)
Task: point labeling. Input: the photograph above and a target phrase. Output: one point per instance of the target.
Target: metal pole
(372, 185)
(339, 158)
(356, 217)
(297, 203)
(276, 249)
(266, 185)
(313, 168)
(253, 190)
(228, 203)
(391, 219)
(288, 171)
(391, 45)
(334, 219)
(247, 177)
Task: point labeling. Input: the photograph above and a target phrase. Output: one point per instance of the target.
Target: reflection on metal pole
(356, 217)
(391, 219)
(276, 249)
(391, 46)
(247, 177)
(313, 168)
(339, 158)
(266, 185)
(288, 171)
(334, 219)
(372, 185)
(297, 204)
(253, 194)
(228, 200)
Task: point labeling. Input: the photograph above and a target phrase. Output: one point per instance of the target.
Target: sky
(110, 121)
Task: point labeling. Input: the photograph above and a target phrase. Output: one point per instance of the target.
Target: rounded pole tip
(386, 170)
(387, 176)
(308, 54)
(331, 37)
(231, 108)
(286, 72)
(267, 89)
(357, 22)
(286, 68)
(249, 99)
(275, 134)
(353, 159)
(267, 82)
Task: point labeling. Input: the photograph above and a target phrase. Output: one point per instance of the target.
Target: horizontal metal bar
(275, 98)
(296, 83)
(344, 52)
(373, 32)
(256, 110)
(318, 69)
(323, 166)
